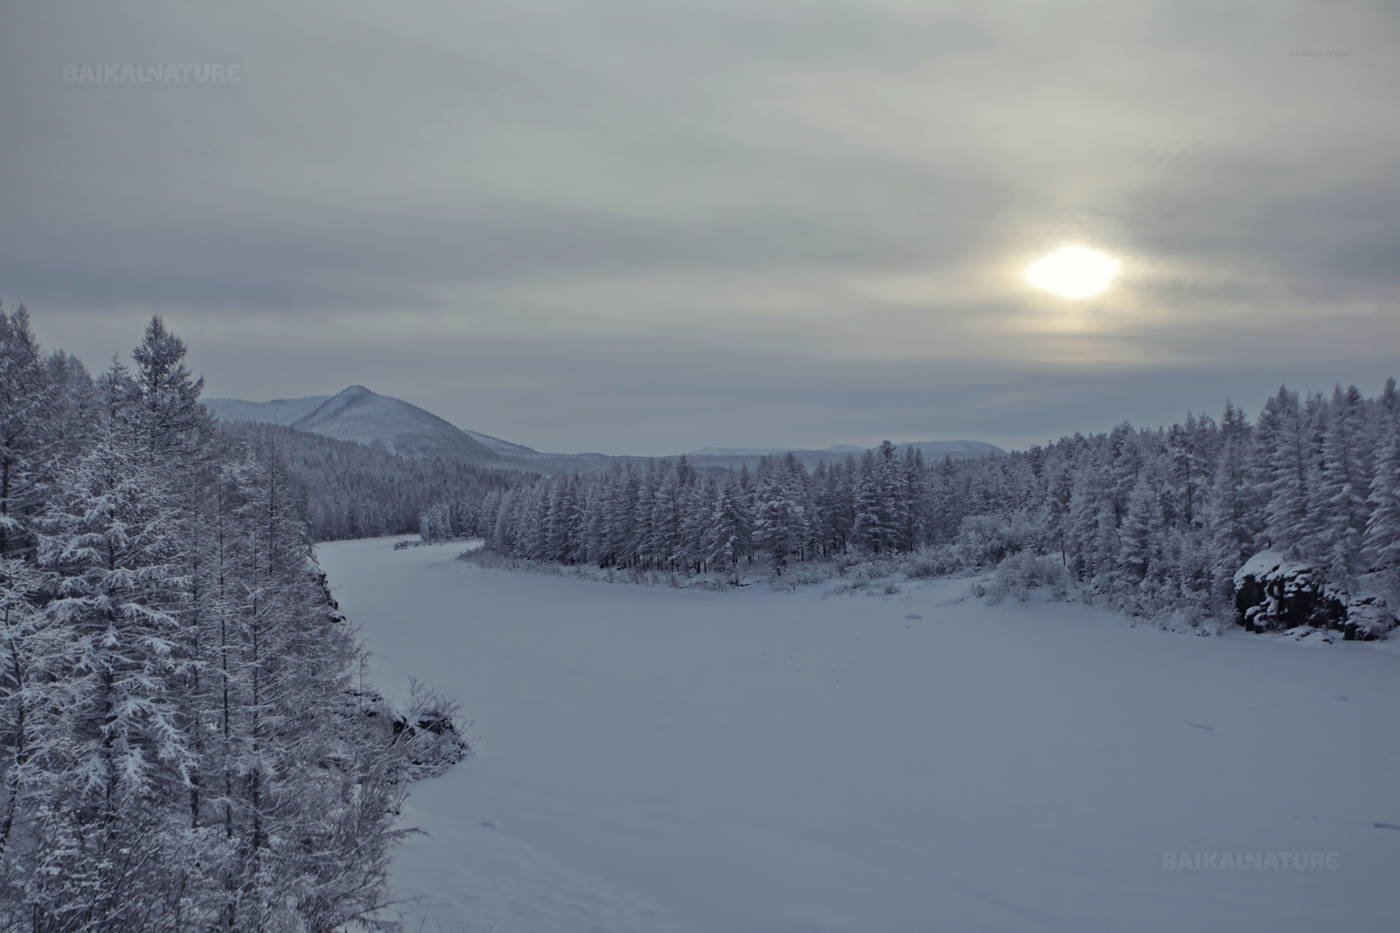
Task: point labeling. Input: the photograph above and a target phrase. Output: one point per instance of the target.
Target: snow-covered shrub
(1024, 571)
(868, 587)
(869, 570)
(932, 562)
(423, 737)
(808, 574)
(844, 562)
(812, 573)
(863, 572)
(1188, 621)
(428, 737)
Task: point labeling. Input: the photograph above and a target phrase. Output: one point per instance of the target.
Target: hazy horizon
(1249, 407)
(601, 226)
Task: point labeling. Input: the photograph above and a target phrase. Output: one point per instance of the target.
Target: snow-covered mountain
(364, 417)
(283, 411)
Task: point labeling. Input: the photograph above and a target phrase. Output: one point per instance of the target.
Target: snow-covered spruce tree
(778, 515)
(563, 523)
(1231, 528)
(36, 658)
(728, 537)
(1381, 544)
(1142, 545)
(31, 412)
(874, 523)
(108, 536)
(34, 654)
(665, 541)
(1091, 531)
(1283, 473)
(311, 808)
(689, 551)
(1341, 489)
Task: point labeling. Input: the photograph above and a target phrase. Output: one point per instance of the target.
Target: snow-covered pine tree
(1341, 489)
(697, 504)
(773, 522)
(1283, 474)
(729, 534)
(30, 412)
(179, 750)
(1141, 541)
(1230, 526)
(109, 537)
(872, 524)
(1381, 544)
(36, 658)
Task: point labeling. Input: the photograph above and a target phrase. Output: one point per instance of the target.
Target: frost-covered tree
(180, 746)
(776, 522)
(1341, 488)
(1153, 521)
(728, 535)
(1382, 538)
(30, 419)
(1283, 473)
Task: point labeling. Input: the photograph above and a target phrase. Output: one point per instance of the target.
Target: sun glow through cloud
(1073, 272)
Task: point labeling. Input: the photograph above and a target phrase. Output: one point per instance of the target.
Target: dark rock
(1274, 594)
(432, 740)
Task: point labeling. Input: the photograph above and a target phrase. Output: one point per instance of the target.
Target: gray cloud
(643, 227)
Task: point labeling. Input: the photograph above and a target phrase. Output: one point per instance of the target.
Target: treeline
(347, 490)
(181, 746)
(1150, 521)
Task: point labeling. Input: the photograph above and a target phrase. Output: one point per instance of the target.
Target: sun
(1073, 272)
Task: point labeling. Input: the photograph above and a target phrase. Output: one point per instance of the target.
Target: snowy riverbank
(677, 760)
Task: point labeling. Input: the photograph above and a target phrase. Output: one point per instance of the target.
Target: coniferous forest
(1154, 522)
(185, 741)
(347, 490)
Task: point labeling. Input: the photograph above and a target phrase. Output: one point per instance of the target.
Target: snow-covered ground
(662, 760)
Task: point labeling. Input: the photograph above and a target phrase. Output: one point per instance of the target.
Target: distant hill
(281, 411)
(739, 451)
(505, 448)
(389, 424)
(364, 417)
(932, 450)
(955, 449)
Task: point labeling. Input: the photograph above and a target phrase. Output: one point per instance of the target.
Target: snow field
(653, 759)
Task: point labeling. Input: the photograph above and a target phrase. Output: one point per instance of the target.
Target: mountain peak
(358, 414)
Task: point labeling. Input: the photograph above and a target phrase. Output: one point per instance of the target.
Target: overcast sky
(642, 227)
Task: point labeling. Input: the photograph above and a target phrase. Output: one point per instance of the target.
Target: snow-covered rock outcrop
(1273, 593)
(424, 732)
